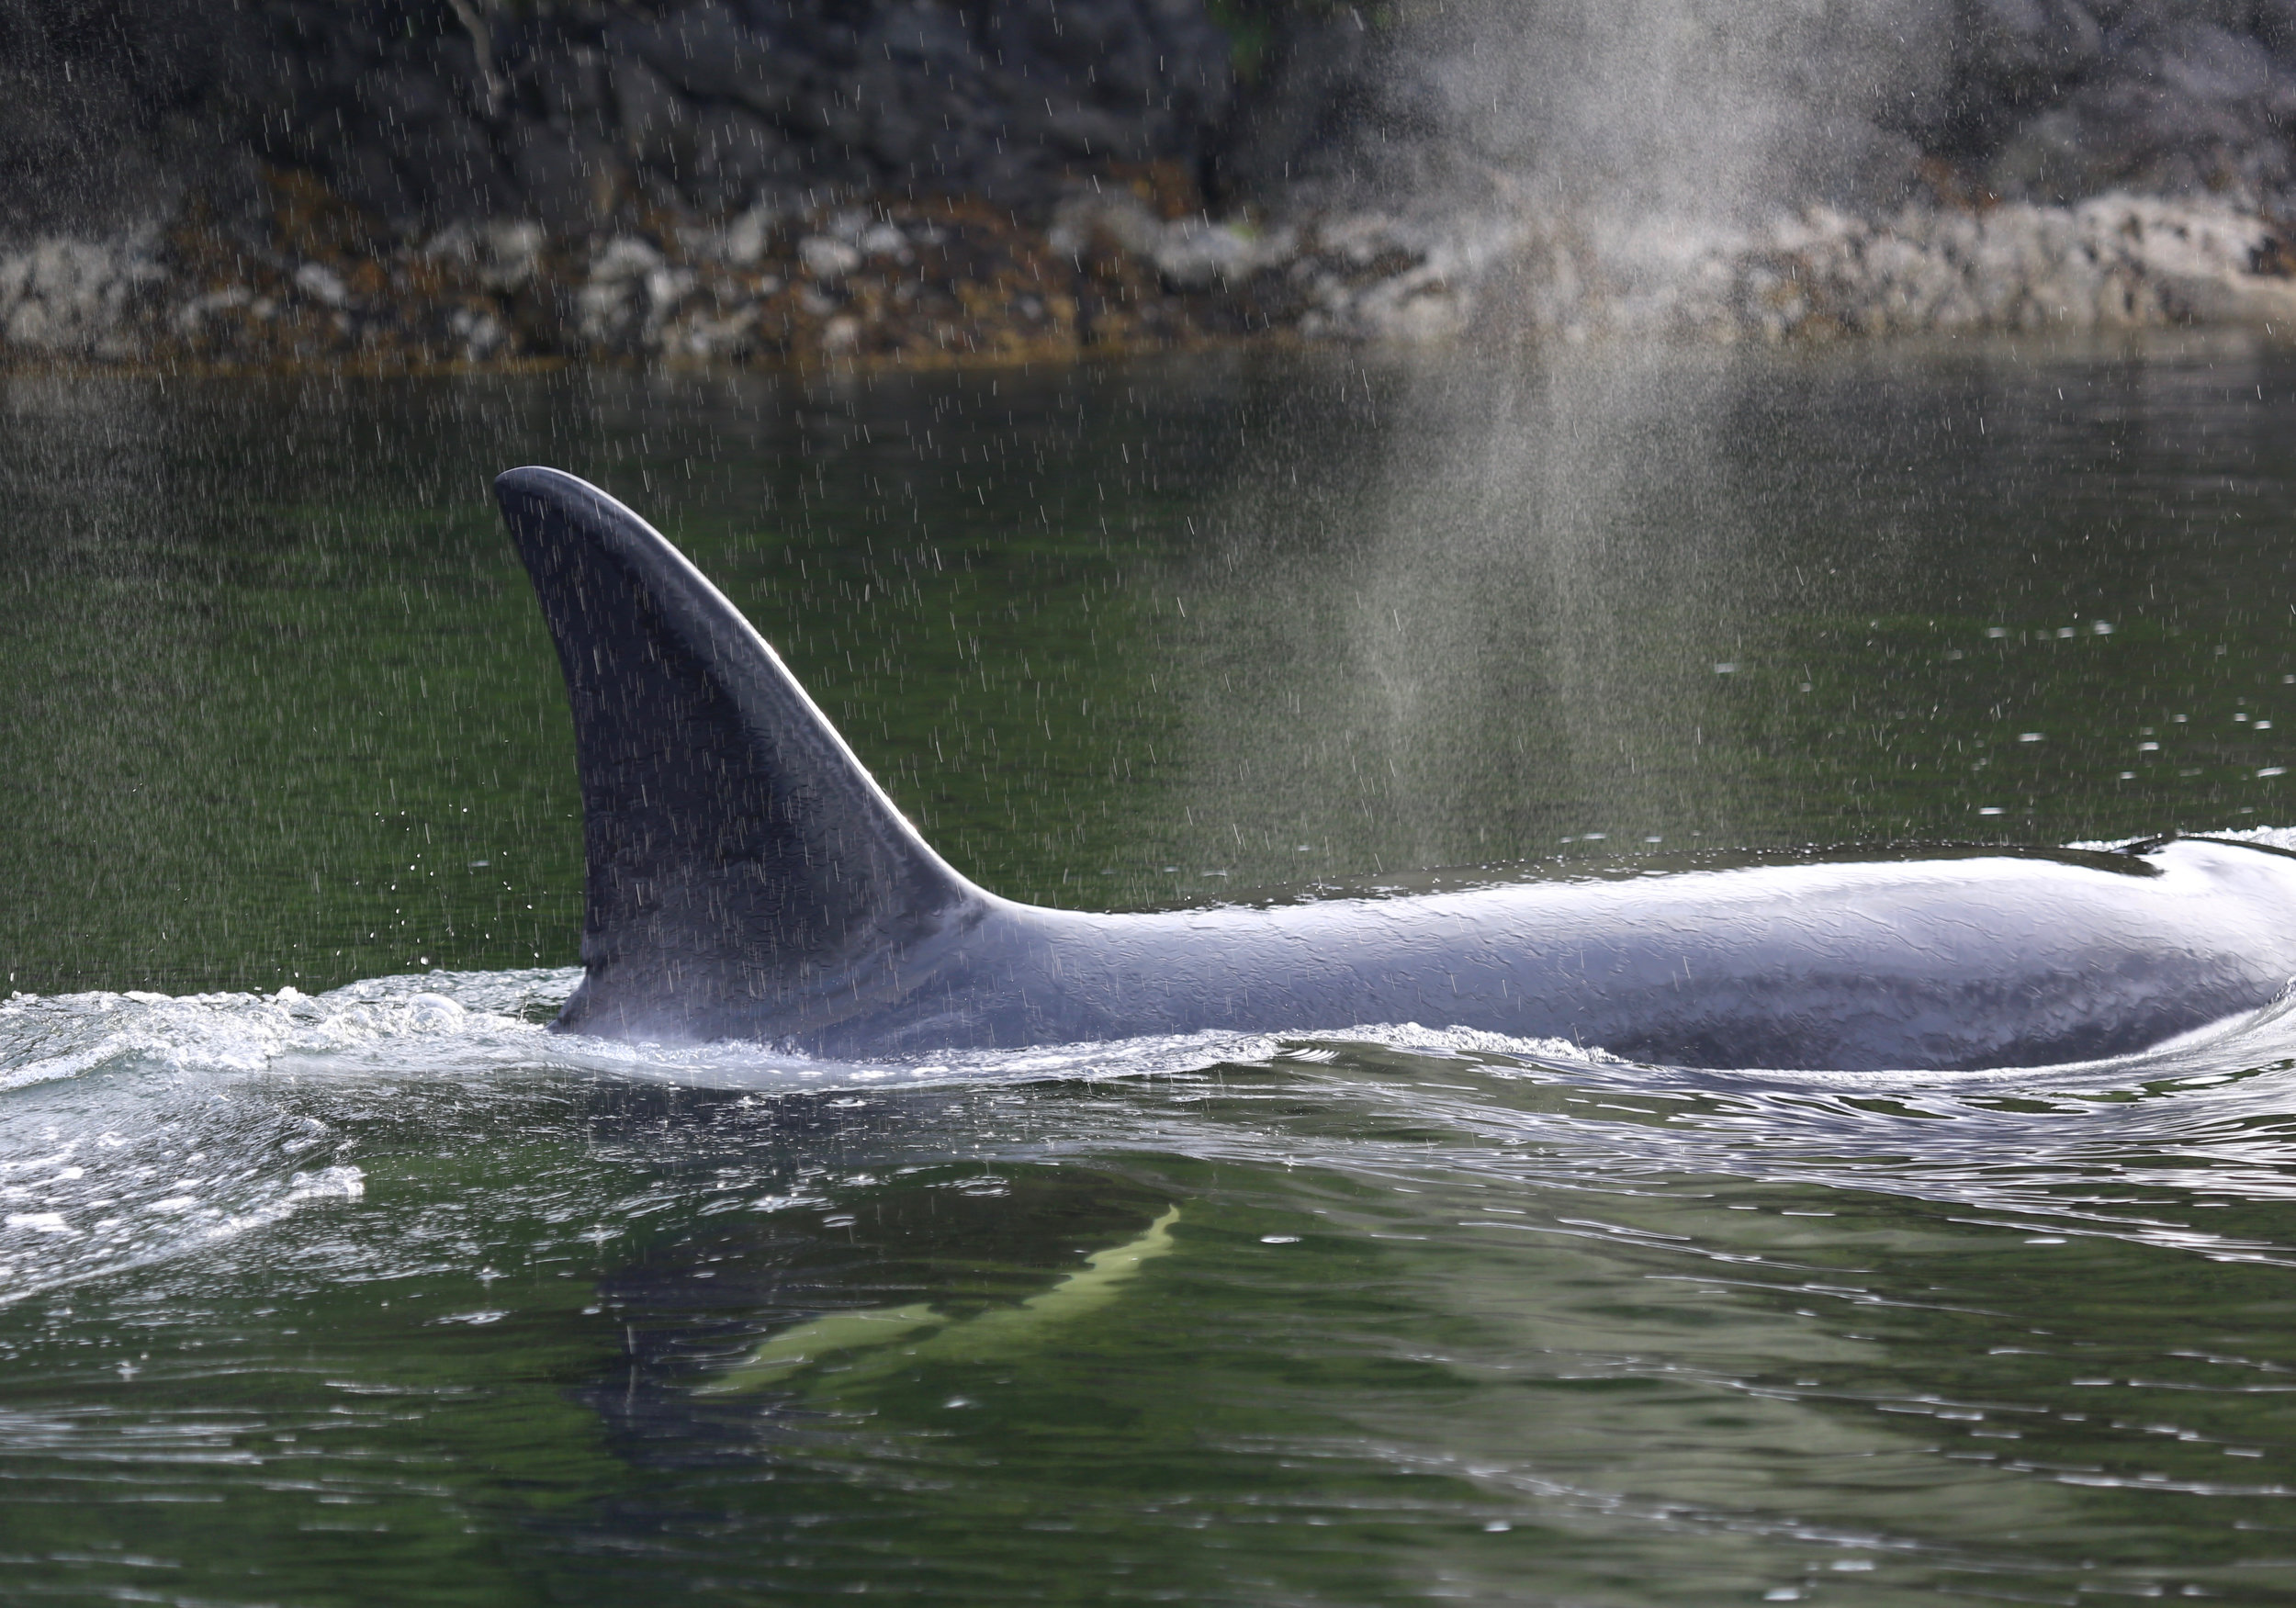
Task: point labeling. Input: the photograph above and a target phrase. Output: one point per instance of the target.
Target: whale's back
(748, 880)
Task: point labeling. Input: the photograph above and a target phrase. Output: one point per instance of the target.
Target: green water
(381, 1295)
(278, 685)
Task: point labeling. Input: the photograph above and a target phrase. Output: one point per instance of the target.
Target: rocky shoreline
(933, 283)
(951, 281)
(2113, 262)
(343, 184)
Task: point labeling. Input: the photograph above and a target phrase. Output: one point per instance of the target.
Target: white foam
(748, 1065)
(44, 1038)
(2269, 837)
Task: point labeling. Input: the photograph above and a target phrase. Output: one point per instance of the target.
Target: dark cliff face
(573, 113)
(2055, 99)
(585, 114)
(1863, 102)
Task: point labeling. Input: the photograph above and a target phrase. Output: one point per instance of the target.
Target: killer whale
(748, 880)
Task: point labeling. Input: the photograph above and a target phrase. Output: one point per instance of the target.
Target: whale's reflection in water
(938, 1269)
(1763, 1332)
(1368, 1314)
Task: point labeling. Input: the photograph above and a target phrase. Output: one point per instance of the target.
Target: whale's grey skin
(748, 880)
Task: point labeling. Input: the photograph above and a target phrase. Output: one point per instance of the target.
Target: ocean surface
(329, 1276)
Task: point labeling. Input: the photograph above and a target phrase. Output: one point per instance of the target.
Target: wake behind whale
(748, 880)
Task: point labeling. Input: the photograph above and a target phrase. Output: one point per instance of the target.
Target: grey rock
(506, 253)
(2023, 48)
(366, 177)
(465, 177)
(567, 181)
(737, 155)
(712, 52)
(922, 91)
(706, 51)
(563, 86)
(2275, 25)
(321, 284)
(1321, 87)
(404, 95)
(657, 123)
(2174, 108)
(825, 257)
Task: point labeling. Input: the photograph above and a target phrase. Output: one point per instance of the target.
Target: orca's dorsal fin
(742, 864)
